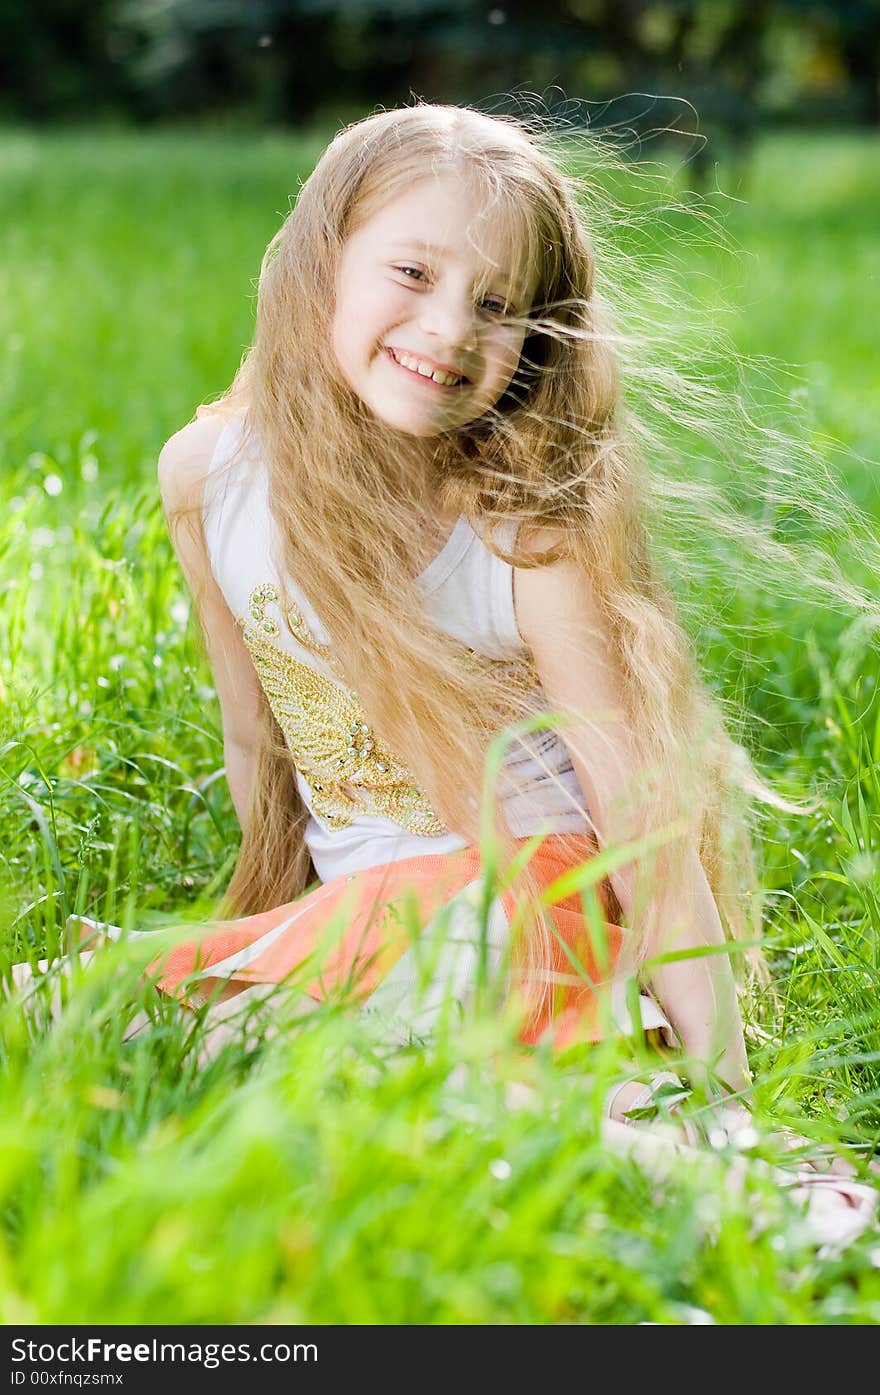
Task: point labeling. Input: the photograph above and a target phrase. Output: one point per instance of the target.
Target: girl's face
(423, 290)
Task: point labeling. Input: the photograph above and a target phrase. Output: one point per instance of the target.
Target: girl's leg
(25, 980)
(222, 1022)
(227, 1019)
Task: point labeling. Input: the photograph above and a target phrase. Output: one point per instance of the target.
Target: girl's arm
(567, 636)
(183, 467)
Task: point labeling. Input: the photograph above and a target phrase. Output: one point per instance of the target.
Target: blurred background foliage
(739, 65)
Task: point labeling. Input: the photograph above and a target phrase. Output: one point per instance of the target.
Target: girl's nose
(451, 319)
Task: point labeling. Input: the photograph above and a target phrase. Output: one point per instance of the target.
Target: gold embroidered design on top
(349, 772)
(267, 594)
(331, 744)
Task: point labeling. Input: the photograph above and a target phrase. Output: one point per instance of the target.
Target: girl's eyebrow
(412, 242)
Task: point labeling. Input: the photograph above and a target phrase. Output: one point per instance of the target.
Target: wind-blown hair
(557, 453)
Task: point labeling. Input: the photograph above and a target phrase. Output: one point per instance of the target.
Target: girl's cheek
(375, 314)
(396, 305)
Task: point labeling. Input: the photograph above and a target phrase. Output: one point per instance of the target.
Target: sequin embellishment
(348, 770)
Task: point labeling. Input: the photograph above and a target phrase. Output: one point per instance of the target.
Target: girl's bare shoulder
(184, 461)
(554, 596)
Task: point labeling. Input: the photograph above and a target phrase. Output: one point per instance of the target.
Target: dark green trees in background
(738, 62)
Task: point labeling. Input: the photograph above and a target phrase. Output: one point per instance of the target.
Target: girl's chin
(418, 424)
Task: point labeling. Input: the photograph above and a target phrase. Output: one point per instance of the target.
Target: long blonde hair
(555, 452)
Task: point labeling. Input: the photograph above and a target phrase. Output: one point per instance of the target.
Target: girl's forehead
(441, 216)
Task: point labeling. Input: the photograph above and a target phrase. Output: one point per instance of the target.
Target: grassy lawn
(323, 1175)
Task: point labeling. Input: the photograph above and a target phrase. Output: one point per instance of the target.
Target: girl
(451, 376)
(413, 523)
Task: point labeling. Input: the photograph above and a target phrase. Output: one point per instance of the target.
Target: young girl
(419, 521)
(414, 523)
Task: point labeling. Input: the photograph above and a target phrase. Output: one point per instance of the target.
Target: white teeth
(426, 371)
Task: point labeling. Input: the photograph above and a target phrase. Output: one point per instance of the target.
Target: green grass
(338, 1179)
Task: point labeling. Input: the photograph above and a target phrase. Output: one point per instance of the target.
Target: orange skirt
(354, 937)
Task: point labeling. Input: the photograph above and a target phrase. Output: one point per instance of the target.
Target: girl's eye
(495, 306)
(413, 273)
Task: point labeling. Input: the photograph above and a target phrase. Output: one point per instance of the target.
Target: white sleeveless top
(363, 806)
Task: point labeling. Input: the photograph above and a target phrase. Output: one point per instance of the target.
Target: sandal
(837, 1210)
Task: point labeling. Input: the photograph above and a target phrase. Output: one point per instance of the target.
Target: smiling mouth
(426, 373)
